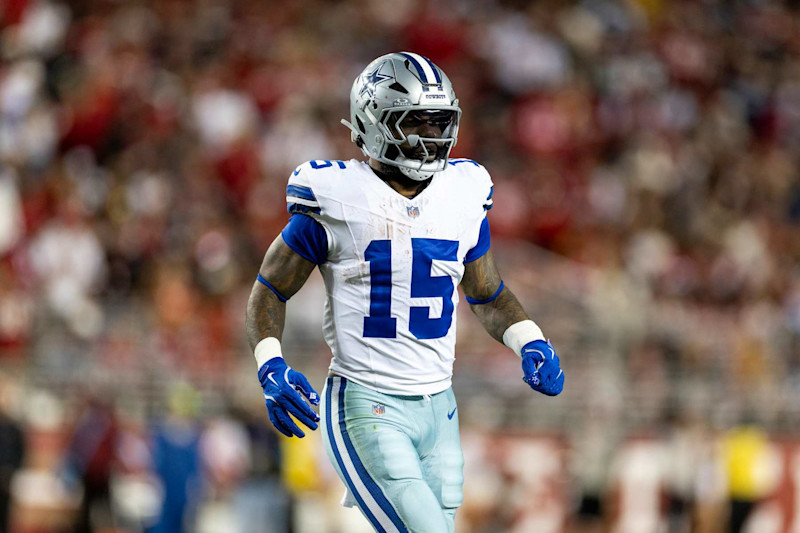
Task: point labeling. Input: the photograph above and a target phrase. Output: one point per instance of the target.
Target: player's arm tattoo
(287, 272)
(480, 282)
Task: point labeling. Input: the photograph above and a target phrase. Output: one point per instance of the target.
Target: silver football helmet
(392, 88)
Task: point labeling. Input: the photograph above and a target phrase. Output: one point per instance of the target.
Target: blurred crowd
(645, 155)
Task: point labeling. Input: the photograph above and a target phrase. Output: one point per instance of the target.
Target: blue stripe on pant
(371, 500)
(373, 488)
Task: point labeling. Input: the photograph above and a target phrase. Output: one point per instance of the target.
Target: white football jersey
(393, 267)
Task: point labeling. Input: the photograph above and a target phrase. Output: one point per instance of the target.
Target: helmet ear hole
(360, 125)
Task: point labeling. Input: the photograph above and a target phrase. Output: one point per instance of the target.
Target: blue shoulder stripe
(301, 192)
(491, 193)
(299, 208)
(455, 162)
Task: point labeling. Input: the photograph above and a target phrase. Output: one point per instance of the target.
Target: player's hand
(542, 368)
(282, 394)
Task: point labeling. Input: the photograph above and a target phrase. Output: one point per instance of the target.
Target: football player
(393, 236)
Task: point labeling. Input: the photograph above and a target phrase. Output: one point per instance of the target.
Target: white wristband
(519, 334)
(267, 349)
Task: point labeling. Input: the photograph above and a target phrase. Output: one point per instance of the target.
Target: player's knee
(419, 507)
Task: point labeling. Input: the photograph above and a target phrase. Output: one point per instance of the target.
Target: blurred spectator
(136, 492)
(12, 451)
(750, 473)
(225, 450)
(177, 462)
(90, 459)
(261, 502)
(69, 261)
(225, 455)
(16, 313)
(592, 455)
(687, 443)
(12, 223)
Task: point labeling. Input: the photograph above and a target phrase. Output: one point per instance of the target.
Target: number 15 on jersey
(380, 323)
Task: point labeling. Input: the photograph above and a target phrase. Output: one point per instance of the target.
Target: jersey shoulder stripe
(320, 186)
(294, 208)
(300, 197)
(301, 192)
(459, 160)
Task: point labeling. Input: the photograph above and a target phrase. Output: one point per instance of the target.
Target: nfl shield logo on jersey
(378, 409)
(413, 211)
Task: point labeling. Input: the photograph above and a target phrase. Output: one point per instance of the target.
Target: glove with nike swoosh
(542, 368)
(282, 394)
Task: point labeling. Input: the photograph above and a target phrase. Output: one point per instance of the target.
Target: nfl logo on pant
(378, 409)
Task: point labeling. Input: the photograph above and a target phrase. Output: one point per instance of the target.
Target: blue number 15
(380, 322)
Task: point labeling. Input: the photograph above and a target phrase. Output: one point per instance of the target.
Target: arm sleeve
(483, 244)
(307, 238)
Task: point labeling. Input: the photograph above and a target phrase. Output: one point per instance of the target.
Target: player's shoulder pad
(308, 182)
(474, 176)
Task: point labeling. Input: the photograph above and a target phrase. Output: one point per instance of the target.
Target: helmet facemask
(415, 155)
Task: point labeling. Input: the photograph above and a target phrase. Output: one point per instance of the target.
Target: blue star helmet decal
(373, 79)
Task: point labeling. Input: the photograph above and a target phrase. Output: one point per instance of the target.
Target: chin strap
(414, 174)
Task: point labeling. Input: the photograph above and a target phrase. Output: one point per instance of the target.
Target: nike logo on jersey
(451, 413)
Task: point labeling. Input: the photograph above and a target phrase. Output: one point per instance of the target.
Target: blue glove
(542, 368)
(282, 388)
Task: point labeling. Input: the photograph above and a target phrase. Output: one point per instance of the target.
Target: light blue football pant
(399, 456)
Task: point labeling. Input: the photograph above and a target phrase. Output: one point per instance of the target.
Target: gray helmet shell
(384, 93)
